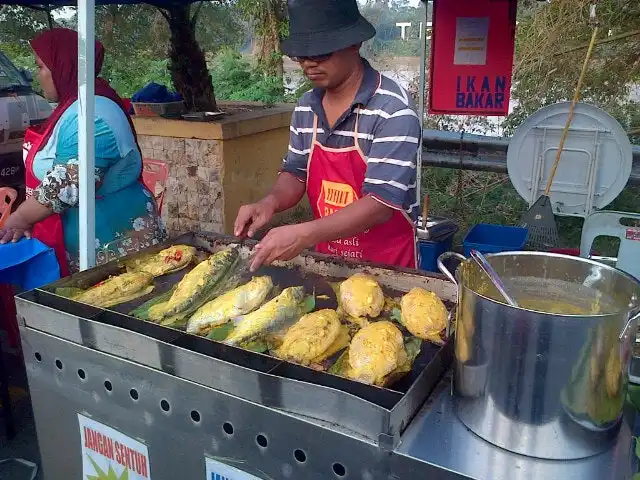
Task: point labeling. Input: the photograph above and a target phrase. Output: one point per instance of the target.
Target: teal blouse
(127, 218)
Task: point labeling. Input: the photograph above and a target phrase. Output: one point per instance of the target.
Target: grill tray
(378, 414)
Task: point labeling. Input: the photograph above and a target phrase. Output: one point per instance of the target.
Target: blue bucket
(488, 238)
(430, 251)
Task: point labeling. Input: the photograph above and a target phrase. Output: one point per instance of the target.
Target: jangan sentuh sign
(472, 46)
(108, 454)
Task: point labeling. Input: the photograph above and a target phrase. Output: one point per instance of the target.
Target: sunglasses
(314, 58)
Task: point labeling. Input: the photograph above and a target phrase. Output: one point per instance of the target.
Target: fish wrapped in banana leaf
(197, 287)
(117, 289)
(239, 301)
(378, 355)
(314, 338)
(361, 296)
(287, 307)
(164, 262)
(423, 314)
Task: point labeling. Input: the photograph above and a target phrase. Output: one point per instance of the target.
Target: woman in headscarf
(126, 214)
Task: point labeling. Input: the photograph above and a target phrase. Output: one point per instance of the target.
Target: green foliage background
(550, 46)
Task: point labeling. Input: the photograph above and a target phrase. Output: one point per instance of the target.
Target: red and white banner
(472, 46)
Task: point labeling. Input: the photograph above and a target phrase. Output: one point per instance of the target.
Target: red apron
(335, 177)
(49, 231)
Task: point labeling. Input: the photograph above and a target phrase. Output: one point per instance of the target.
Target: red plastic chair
(154, 175)
(7, 197)
(127, 104)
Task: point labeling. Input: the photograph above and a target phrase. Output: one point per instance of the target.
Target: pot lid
(594, 167)
(437, 229)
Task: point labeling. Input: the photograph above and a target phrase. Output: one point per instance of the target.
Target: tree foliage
(237, 79)
(140, 35)
(270, 25)
(551, 44)
(20, 24)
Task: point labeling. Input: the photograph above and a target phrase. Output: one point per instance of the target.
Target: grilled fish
(314, 338)
(423, 314)
(361, 296)
(164, 262)
(118, 289)
(239, 301)
(288, 306)
(196, 286)
(375, 352)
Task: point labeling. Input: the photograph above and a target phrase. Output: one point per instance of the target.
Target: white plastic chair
(608, 223)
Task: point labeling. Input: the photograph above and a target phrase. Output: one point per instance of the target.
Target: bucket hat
(320, 27)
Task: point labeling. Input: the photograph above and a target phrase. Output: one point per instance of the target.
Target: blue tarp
(28, 264)
(155, 93)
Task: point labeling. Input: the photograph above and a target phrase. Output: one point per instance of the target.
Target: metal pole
(481, 153)
(49, 17)
(423, 68)
(86, 145)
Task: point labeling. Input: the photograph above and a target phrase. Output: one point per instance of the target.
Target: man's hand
(286, 193)
(15, 228)
(282, 243)
(253, 217)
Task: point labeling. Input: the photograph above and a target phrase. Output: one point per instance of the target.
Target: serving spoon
(482, 262)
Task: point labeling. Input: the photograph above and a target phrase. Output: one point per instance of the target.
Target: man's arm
(361, 215)
(391, 163)
(286, 192)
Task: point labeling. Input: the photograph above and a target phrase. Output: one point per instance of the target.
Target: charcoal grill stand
(185, 406)
(435, 445)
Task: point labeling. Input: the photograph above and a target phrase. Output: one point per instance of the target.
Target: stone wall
(215, 167)
(194, 198)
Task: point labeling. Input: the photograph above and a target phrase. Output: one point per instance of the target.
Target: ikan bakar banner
(109, 455)
(472, 47)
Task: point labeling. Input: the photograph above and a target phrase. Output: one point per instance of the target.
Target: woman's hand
(20, 222)
(15, 228)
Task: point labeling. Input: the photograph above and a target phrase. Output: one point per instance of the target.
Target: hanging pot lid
(594, 167)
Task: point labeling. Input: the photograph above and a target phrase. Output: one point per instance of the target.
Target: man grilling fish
(353, 147)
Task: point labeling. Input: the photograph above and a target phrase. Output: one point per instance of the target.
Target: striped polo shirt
(388, 135)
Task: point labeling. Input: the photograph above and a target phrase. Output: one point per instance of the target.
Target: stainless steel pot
(541, 384)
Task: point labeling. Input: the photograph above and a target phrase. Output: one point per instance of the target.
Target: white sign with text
(110, 455)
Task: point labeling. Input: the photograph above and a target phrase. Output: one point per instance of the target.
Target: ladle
(493, 276)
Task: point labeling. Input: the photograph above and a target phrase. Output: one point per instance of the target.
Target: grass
(482, 197)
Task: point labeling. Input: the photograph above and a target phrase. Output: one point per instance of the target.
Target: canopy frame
(86, 132)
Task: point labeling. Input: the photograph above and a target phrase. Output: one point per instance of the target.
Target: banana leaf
(412, 348)
(142, 312)
(221, 332)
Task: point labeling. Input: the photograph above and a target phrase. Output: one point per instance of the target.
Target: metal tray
(377, 414)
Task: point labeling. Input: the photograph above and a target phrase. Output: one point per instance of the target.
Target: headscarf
(58, 50)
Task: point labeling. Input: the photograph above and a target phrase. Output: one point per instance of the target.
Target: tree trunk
(187, 62)
(110, 20)
(269, 56)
